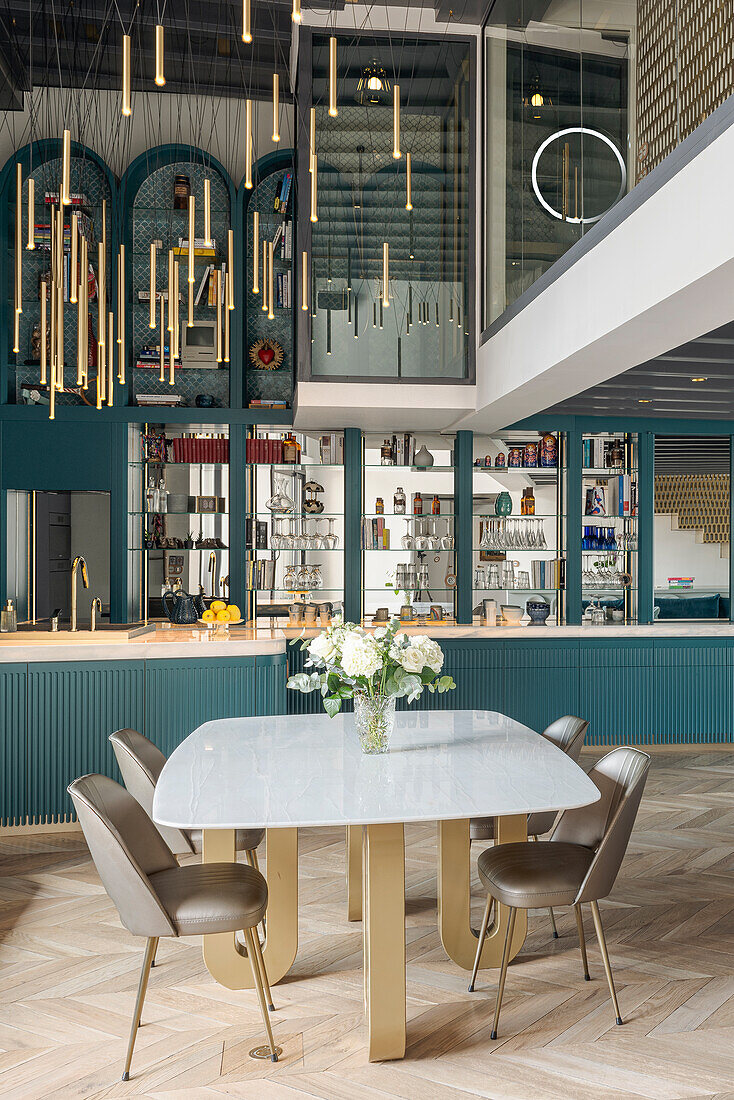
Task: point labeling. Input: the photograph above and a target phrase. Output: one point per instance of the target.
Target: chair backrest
(606, 825)
(126, 848)
(568, 734)
(141, 763)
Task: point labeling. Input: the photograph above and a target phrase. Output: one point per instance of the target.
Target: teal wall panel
(693, 689)
(270, 687)
(72, 708)
(615, 692)
(181, 695)
(13, 758)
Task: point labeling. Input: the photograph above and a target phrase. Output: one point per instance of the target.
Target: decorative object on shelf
(489, 613)
(279, 502)
(181, 192)
(381, 615)
(205, 401)
(266, 354)
(291, 449)
(450, 579)
(596, 501)
(417, 505)
(345, 662)
(423, 458)
(527, 504)
(181, 608)
(530, 455)
(538, 610)
(209, 504)
(386, 454)
(503, 504)
(511, 613)
(500, 460)
(379, 506)
(312, 505)
(548, 450)
(8, 618)
(514, 457)
(398, 501)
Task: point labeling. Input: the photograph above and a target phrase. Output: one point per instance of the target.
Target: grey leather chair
(155, 897)
(141, 763)
(579, 863)
(568, 734)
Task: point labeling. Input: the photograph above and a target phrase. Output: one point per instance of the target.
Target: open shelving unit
(610, 531)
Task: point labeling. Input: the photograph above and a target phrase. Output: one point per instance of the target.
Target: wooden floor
(68, 973)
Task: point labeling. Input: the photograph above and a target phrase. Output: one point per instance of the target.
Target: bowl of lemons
(220, 615)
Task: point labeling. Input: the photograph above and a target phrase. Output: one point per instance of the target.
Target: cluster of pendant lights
(52, 292)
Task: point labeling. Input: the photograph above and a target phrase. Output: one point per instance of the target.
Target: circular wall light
(555, 137)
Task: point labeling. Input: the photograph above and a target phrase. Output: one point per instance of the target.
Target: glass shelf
(171, 513)
(537, 515)
(389, 590)
(153, 462)
(415, 469)
(407, 515)
(519, 469)
(589, 520)
(402, 550)
(295, 515)
(520, 550)
(607, 471)
(294, 550)
(518, 590)
(295, 591)
(178, 549)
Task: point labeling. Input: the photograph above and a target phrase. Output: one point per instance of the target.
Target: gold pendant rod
(126, 79)
(73, 259)
(152, 289)
(256, 252)
(44, 288)
(110, 357)
(192, 237)
(66, 168)
(246, 21)
(227, 307)
(218, 292)
(304, 280)
(248, 144)
(264, 306)
(408, 181)
(160, 77)
(31, 214)
(332, 77)
(276, 107)
(121, 319)
(162, 343)
(230, 269)
(396, 122)
(314, 185)
(208, 213)
(271, 314)
(386, 274)
(84, 306)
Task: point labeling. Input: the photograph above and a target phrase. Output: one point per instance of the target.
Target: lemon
(234, 612)
(223, 615)
(208, 616)
(218, 605)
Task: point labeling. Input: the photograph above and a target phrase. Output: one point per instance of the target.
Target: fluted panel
(14, 776)
(181, 695)
(615, 693)
(694, 693)
(72, 709)
(271, 689)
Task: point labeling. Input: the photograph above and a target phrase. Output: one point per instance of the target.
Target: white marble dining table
(285, 773)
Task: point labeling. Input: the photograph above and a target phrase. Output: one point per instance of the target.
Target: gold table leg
(384, 940)
(454, 883)
(354, 872)
(226, 958)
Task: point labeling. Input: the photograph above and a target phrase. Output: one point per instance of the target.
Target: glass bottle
(291, 449)
(435, 506)
(181, 192)
(386, 454)
(379, 506)
(398, 502)
(162, 496)
(8, 619)
(417, 505)
(151, 496)
(529, 502)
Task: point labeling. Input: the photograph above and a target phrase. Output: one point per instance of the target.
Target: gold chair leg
(582, 940)
(605, 956)
(150, 950)
(263, 971)
(250, 937)
(480, 942)
(255, 860)
(552, 916)
(503, 970)
(252, 861)
(250, 858)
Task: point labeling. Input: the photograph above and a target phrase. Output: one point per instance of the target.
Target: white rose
(360, 656)
(432, 652)
(322, 648)
(412, 659)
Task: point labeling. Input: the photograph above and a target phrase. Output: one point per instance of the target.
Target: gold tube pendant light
(170, 290)
(227, 307)
(160, 77)
(84, 306)
(126, 79)
(256, 252)
(31, 244)
(110, 357)
(73, 258)
(314, 193)
(218, 292)
(386, 274)
(162, 343)
(248, 144)
(396, 122)
(408, 181)
(121, 319)
(192, 237)
(296, 11)
(332, 77)
(81, 322)
(101, 310)
(190, 312)
(304, 281)
(271, 279)
(207, 213)
(52, 395)
(171, 355)
(264, 306)
(18, 254)
(44, 364)
(230, 269)
(176, 315)
(66, 168)
(276, 107)
(60, 301)
(151, 288)
(246, 21)
(311, 139)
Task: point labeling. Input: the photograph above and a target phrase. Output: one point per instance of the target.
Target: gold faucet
(96, 606)
(78, 561)
(212, 572)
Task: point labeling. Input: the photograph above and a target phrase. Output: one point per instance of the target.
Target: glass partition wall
(390, 249)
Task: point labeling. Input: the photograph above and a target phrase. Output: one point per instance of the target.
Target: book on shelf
(375, 536)
(208, 271)
(331, 448)
(197, 448)
(76, 198)
(152, 400)
(266, 403)
(201, 248)
(263, 450)
(280, 204)
(627, 495)
(261, 573)
(548, 573)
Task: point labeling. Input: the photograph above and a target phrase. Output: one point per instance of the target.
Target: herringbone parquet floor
(68, 973)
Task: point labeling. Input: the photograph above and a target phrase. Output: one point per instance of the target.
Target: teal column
(645, 511)
(731, 522)
(118, 521)
(237, 549)
(573, 528)
(463, 508)
(353, 525)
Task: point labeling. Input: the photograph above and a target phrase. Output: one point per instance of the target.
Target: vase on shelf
(374, 717)
(423, 458)
(503, 504)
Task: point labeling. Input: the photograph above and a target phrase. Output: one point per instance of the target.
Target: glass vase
(374, 717)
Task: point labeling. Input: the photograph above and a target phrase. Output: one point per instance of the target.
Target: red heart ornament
(266, 355)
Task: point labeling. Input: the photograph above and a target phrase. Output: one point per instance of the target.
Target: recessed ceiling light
(644, 401)
(699, 380)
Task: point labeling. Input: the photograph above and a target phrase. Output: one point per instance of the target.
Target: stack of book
(261, 574)
(149, 357)
(627, 495)
(151, 400)
(267, 403)
(331, 448)
(402, 449)
(201, 248)
(256, 534)
(375, 536)
(547, 574)
(200, 448)
(264, 450)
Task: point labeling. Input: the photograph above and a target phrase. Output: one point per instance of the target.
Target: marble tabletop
(306, 770)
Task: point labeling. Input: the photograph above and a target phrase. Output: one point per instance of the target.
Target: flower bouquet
(345, 662)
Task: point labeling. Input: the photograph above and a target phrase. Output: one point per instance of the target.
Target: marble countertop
(442, 765)
(161, 640)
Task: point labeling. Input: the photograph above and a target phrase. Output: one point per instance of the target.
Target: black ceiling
(664, 386)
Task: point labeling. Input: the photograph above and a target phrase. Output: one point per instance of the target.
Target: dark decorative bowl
(538, 610)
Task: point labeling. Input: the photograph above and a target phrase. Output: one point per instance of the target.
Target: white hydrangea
(323, 648)
(360, 655)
